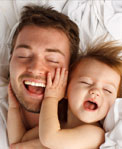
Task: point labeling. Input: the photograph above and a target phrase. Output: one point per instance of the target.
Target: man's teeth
(34, 84)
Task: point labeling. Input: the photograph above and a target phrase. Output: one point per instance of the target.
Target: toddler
(94, 83)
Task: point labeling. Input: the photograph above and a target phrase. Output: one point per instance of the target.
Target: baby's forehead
(96, 69)
(86, 61)
(93, 61)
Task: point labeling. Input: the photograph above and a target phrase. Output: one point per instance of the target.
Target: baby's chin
(90, 120)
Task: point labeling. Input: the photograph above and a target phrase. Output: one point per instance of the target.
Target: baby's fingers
(64, 77)
(57, 77)
(60, 79)
(49, 80)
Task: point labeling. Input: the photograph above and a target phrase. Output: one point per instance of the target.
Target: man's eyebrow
(23, 46)
(47, 50)
(55, 50)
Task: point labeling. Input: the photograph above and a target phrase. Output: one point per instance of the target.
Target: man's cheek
(13, 78)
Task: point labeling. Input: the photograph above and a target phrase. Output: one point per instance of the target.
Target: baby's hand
(13, 103)
(56, 88)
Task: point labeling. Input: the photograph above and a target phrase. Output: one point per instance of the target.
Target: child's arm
(50, 133)
(15, 125)
(32, 144)
(31, 134)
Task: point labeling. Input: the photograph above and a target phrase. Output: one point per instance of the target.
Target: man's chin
(31, 108)
(32, 111)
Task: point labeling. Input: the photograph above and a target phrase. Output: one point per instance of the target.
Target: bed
(94, 18)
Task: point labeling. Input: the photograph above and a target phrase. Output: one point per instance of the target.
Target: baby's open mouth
(90, 105)
(34, 88)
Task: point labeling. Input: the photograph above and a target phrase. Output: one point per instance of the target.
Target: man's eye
(108, 91)
(52, 61)
(23, 57)
(86, 83)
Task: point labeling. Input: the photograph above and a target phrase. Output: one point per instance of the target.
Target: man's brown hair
(47, 17)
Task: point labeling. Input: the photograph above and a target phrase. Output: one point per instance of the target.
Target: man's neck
(30, 119)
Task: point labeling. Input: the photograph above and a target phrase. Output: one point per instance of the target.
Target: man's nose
(94, 92)
(38, 67)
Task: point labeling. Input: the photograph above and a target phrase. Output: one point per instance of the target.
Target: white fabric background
(94, 18)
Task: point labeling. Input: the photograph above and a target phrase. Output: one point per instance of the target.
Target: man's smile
(34, 84)
(34, 88)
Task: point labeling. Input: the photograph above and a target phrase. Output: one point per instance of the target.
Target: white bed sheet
(94, 18)
(113, 127)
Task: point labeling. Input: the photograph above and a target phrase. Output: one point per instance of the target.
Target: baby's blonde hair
(109, 53)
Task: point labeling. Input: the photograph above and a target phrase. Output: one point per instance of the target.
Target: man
(43, 41)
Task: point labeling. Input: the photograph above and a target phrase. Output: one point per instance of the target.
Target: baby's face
(92, 90)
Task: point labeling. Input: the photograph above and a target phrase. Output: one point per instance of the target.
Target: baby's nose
(95, 92)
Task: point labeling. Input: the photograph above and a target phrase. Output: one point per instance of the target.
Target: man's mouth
(35, 87)
(90, 105)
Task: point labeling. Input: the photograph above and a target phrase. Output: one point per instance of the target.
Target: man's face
(37, 51)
